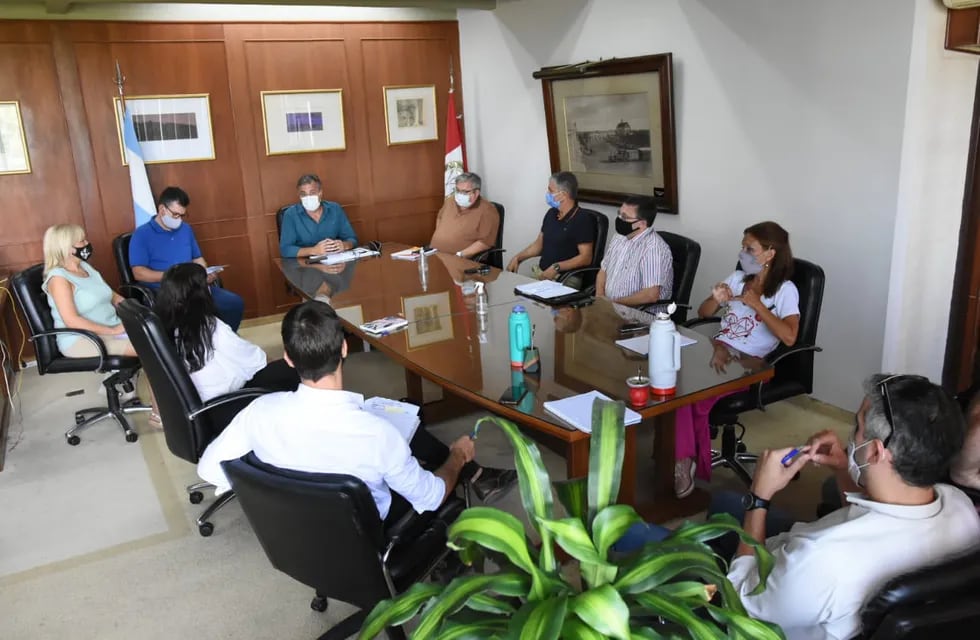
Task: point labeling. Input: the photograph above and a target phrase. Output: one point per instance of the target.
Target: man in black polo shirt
(568, 232)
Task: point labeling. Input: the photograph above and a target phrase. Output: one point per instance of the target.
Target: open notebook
(403, 415)
(577, 410)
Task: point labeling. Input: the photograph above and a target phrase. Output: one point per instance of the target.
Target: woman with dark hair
(759, 308)
(219, 361)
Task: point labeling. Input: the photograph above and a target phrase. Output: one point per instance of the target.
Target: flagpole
(119, 81)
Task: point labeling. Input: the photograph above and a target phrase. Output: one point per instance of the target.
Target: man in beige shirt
(467, 224)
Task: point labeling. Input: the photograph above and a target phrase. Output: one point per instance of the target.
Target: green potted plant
(669, 589)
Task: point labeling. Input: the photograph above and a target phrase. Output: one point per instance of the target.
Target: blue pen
(788, 458)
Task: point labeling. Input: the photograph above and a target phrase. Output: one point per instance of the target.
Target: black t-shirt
(562, 237)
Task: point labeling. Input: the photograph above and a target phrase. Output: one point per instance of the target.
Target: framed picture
(169, 128)
(410, 114)
(429, 319)
(13, 143)
(303, 121)
(611, 123)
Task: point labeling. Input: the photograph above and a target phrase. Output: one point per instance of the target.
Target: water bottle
(665, 353)
(520, 335)
(423, 270)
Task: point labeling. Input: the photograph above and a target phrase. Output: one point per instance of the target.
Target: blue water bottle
(520, 335)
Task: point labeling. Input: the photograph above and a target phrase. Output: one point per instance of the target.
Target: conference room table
(467, 354)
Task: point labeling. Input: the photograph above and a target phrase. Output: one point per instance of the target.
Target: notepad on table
(577, 410)
(344, 256)
(545, 289)
(384, 326)
(403, 415)
(412, 253)
(641, 344)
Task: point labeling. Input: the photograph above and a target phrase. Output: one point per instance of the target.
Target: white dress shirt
(233, 362)
(826, 570)
(324, 431)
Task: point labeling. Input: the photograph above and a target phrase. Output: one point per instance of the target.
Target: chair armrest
(564, 275)
(225, 398)
(483, 255)
(138, 291)
(85, 333)
(800, 348)
(699, 321)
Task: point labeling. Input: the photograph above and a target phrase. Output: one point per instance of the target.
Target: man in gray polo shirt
(638, 269)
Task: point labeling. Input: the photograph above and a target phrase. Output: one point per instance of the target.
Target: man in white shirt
(322, 428)
(637, 268)
(899, 517)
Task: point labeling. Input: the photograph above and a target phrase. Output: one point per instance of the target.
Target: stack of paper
(641, 344)
(403, 415)
(385, 325)
(412, 253)
(577, 410)
(218, 268)
(344, 256)
(545, 289)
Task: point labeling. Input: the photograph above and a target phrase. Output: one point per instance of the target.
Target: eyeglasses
(625, 219)
(883, 389)
(466, 192)
(179, 216)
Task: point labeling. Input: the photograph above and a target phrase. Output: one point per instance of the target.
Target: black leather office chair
(279, 216)
(685, 255)
(187, 424)
(590, 272)
(934, 602)
(793, 375)
(128, 286)
(33, 301)
(324, 530)
(494, 256)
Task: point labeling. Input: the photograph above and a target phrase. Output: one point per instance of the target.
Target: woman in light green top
(78, 296)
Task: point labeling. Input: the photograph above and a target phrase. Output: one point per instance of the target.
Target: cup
(639, 390)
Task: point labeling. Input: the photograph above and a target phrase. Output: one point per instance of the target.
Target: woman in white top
(78, 296)
(219, 361)
(759, 308)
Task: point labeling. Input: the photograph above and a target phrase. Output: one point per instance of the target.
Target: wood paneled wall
(62, 74)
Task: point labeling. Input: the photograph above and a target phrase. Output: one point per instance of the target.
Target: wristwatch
(750, 501)
(459, 254)
(556, 267)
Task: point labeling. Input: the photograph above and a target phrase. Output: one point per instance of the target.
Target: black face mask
(83, 253)
(623, 227)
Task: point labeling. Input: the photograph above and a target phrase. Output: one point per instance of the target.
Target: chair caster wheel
(195, 497)
(740, 447)
(205, 529)
(73, 440)
(319, 603)
(132, 436)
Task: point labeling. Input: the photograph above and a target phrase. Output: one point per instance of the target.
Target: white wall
(930, 199)
(791, 111)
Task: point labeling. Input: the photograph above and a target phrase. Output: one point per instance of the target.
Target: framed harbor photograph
(410, 114)
(611, 123)
(14, 157)
(303, 121)
(173, 128)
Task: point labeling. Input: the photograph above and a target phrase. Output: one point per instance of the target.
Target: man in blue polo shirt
(314, 226)
(165, 241)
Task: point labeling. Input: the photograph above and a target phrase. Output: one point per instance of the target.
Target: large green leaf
(571, 535)
(498, 531)
(473, 630)
(488, 604)
(717, 526)
(610, 524)
(398, 610)
(746, 626)
(539, 620)
(605, 454)
(699, 592)
(533, 480)
(657, 564)
(453, 597)
(575, 629)
(679, 612)
(574, 496)
(604, 610)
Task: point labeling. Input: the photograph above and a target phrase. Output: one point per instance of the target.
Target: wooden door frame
(957, 375)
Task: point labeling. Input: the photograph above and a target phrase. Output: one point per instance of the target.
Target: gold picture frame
(303, 121)
(14, 155)
(411, 115)
(170, 128)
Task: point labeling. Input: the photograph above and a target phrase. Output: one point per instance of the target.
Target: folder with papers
(577, 410)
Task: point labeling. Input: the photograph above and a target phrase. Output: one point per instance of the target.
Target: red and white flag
(455, 162)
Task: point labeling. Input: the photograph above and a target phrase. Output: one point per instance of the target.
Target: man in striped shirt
(638, 269)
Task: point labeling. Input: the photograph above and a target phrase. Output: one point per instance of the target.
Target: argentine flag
(143, 207)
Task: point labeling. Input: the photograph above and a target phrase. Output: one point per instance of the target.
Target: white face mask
(310, 203)
(853, 468)
(171, 222)
(462, 199)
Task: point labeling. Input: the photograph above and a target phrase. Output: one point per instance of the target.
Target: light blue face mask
(748, 263)
(551, 200)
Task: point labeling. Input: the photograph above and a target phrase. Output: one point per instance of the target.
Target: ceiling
(66, 6)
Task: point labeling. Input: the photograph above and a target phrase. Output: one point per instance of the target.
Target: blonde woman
(78, 296)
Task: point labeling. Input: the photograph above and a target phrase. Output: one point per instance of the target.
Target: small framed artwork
(174, 128)
(13, 143)
(429, 319)
(410, 114)
(303, 121)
